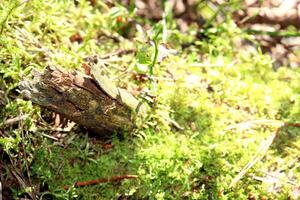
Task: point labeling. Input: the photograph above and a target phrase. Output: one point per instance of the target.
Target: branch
(102, 180)
(96, 104)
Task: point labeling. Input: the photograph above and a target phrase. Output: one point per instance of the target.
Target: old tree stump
(91, 101)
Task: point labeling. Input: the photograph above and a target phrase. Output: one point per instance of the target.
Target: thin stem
(273, 33)
(15, 6)
(154, 59)
(153, 86)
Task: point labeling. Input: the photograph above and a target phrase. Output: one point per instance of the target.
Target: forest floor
(224, 111)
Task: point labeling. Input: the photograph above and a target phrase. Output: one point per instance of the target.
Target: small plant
(194, 141)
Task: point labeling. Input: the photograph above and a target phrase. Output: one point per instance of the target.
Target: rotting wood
(94, 102)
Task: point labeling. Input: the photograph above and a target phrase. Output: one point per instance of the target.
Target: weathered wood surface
(94, 102)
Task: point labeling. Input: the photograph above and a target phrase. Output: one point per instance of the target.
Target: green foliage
(184, 149)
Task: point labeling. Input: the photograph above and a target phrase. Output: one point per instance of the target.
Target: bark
(92, 101)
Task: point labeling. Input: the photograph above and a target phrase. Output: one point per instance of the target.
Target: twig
(50, 137)
(292, 124)
(173, 122)
(267, 122)
(212, 64)
(102, 180)
(14, 120)
(264, 146)
(251, 123)
(273, 33)
(120, 52)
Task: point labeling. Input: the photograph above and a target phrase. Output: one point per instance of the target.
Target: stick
(120, 52)
(251, 123)
(102, 180)
(14, 120)
(50, 137)
(273, 33)
(80, 99)
(292, 124)
(263, 148)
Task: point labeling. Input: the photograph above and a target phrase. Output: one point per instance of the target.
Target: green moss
(205, 87)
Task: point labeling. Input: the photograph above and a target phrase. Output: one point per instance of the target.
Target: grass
(206, 87)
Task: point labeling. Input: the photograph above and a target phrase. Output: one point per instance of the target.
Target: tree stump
(91, 101)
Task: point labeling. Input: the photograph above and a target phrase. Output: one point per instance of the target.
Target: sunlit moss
(203, 88)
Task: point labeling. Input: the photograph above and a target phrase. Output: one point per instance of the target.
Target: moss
(205, 88)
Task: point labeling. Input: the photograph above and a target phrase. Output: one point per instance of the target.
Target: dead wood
(94, 102)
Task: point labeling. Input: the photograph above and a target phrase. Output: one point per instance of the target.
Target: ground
(215, 107)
